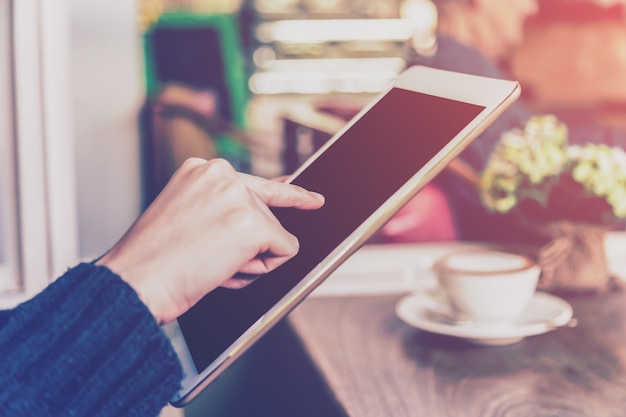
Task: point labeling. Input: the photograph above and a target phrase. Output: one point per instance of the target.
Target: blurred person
(476, 37)
(182, 122)
(90, 343)
(494, 28)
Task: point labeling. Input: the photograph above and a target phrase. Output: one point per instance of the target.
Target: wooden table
(344, 353)
(378, 366)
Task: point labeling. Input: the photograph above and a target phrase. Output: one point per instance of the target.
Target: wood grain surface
(380, 367)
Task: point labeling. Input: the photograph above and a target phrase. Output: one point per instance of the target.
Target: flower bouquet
(571, 194)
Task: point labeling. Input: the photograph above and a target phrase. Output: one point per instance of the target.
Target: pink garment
(426, 217)
(201, 101)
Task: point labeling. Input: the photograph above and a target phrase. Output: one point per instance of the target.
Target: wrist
(144, 285)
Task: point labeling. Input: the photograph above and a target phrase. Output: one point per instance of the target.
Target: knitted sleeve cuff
(86, 346)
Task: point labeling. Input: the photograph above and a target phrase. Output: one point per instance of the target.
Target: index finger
(279, 194)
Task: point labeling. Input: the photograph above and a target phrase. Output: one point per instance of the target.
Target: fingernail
(318, 196)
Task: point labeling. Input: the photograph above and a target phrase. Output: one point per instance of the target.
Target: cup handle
(431, 292)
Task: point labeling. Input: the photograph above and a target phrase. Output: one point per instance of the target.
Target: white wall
(107, 89)
(107, 83)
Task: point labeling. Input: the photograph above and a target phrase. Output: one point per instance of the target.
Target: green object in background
(229, 50)
(203, 52)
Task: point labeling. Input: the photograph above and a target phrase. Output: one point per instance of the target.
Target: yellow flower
(505, 204)
(534, 161)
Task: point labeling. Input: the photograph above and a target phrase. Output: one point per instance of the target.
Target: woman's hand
(209, 224)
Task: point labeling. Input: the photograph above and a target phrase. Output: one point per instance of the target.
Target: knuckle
(220, 166)
(220, 171)
(191, 163)
(213, 168)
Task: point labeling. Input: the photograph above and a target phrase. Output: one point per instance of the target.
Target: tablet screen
(374, 158)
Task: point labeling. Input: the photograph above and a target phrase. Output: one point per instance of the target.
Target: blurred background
(262, 83)
(270, 63)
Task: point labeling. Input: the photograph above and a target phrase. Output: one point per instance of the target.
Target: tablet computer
(367, 172)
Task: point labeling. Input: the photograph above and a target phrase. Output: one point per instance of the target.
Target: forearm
(85, 346)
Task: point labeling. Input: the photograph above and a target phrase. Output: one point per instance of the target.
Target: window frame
(9, 276)
(44, 163)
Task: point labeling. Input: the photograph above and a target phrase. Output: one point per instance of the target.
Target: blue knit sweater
(85, 346)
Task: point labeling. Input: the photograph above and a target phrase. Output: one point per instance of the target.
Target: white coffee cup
(486, 285)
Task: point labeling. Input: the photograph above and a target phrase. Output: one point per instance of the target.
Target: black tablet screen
(357, 173)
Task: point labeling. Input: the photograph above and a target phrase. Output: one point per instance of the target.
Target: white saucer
(544, 313)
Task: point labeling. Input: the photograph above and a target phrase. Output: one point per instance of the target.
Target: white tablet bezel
(493, 94)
